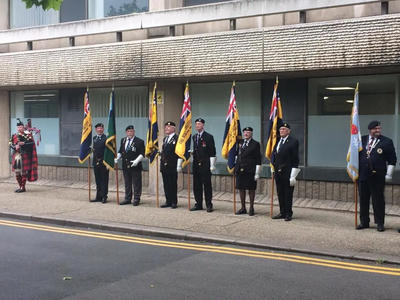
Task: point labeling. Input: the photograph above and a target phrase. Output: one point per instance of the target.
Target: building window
(200, 2)
(73, 10)
(330, 102)
(109, 8)
(131, 108)
(21, 17)
(41, 104)
(42, 107)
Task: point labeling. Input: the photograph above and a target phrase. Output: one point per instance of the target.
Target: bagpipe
(32, 130)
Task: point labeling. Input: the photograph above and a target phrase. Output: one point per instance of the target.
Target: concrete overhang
(171, 17)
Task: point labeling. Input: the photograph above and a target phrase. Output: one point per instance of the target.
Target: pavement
(319, 227)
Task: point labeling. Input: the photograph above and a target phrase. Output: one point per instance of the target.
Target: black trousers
(200, 180)
(373, 187)
(133, 179)
(170, 181)
(285, 195)
(101, 175)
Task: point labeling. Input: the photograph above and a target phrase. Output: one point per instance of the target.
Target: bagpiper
(24, 156)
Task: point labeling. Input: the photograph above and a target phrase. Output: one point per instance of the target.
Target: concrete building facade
(320, 51)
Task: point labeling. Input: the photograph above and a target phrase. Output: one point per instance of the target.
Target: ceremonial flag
(185, 132)
(152, 132)
(355, 140)
(275, 121)
(232, 132)
(111, 142)
(86, 139)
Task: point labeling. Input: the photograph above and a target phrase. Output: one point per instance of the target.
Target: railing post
(72, 41)
(171, 30)
(29, 45)
(119, 36)
(302, 16)
(232, 24)
(384, 7)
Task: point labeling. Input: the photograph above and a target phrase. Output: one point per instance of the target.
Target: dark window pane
(72, 10)
(43, 104)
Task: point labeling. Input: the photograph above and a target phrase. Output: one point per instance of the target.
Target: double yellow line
(208, 248)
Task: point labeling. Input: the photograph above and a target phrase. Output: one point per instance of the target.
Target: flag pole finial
(277, 79)
(113, 86)
(87, 88)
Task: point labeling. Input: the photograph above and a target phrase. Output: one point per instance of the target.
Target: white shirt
(169, 137)
(128, 142)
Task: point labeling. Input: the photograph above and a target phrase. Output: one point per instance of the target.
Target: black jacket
(202, 151)
(99, 146)
(132, 153)
(248, 158)
(169, 159)
(287, 158)
(381, 155)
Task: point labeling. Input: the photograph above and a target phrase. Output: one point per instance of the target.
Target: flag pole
(89, 177)
(158, 204)
(272, 195)
(188, 183)
(234, 193)
(355, 203)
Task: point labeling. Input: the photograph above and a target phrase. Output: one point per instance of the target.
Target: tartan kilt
(26, 161)
(29, 164)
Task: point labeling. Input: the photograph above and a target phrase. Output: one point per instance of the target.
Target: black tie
(280, 145)
(128, 144)
(198, 138)
(244, 145)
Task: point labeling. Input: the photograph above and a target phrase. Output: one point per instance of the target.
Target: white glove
(190, 151)
(179, 165)
(137, 160)
(293, 175)
(213, 161)
(119, 155)
(257, 175)
(235, 159)
(272, 170)
(389, 173)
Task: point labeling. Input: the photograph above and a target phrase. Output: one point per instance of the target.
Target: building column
(5, 170)
(4, 21)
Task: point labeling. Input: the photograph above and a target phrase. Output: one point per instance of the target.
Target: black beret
(99, 125)
(19, 123)
(129, 127)
(373, 124)
(285, 125)
(200, 120)
(248, 129)
(170, 124)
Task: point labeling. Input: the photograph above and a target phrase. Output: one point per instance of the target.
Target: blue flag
(232, 132)
(355, 140)
(86, 139)
(275, 121)
(152, 132)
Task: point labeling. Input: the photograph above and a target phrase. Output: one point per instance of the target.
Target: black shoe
(136, 202)
(17, 191)
(209, 209)
(362, 226)
(173, 206)
(194, 208)
(278, 216)
(166, 205)
(251, 212)
(95, 200)
(241, 211)
(125, 202)
(104, 201)
(398, 230)
(381, 228)
(23, 190)
(288, 218)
